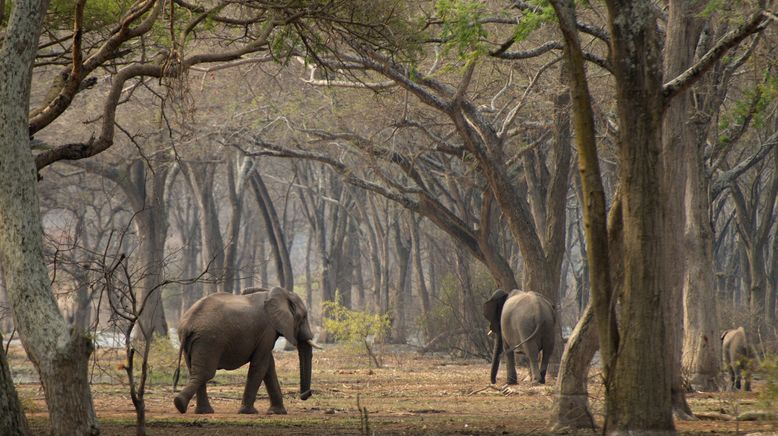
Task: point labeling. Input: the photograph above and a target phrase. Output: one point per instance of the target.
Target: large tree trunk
(60, 354)
(683, 30)
(12, 419)
(639, 397)
(701, 358)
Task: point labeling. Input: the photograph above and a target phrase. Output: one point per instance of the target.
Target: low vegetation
(410, 393)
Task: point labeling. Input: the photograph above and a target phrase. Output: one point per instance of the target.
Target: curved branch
(756, 23)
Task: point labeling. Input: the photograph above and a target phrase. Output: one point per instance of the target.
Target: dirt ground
(411, 394)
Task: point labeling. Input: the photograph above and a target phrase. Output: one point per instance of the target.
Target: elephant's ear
(277, 307)
(493, 308)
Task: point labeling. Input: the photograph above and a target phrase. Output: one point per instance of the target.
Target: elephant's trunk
(496, 355)
(305, 352)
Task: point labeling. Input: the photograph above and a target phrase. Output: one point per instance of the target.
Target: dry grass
(412, 394)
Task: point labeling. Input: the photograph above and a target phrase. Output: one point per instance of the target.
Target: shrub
(355, 328)
(768, 397)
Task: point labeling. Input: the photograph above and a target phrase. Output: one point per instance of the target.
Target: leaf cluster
(354, 326)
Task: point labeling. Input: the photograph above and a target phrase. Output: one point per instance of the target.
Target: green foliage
(462, 28)
(768, 397)
(354, 327)
(532, 21)
(97, 13)
(754, 106)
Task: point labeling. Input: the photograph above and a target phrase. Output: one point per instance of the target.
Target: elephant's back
(218, 308)
(525, 311)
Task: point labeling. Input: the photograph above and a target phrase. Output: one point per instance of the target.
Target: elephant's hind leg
(257, 370)
(199, 374)
(195, 386)
(531, 350)
(548, 350)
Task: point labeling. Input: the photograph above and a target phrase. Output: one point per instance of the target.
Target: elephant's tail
(181, 348)
(537, 328)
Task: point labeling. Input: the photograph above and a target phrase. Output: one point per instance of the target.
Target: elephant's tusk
(315, 345)
(490, 334)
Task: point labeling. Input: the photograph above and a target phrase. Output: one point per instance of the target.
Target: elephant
(225, 331)
(525, 320)
(739, 357)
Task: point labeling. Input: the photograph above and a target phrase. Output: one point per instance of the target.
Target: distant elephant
(738, 357)
(521, 320)
(225, 331)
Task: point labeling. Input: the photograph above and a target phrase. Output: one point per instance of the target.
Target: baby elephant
(738, 357)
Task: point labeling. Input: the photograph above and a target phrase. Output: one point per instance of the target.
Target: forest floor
(410, 394)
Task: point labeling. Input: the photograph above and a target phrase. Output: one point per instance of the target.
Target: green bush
(354, 327)
(768, 397)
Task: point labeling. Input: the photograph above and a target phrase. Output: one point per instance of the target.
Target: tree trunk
(683, 30)
(12, 419)
(151, 224)
(237, 175)
(701, 358)
(275, 232)
(201, 179)
(417, 265)
(571, 408)
(59, 353)
(639, 398)
(403, 250)
(308, 275)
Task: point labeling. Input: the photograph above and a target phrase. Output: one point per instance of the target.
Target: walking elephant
(225, 331)
(739, 358)
(522, 320)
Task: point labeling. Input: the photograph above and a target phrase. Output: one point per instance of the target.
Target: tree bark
(12, 419)
(275, 232)
(639, 399)
(421, 284)
(201, 180)
(237, 172)
(60, 354)
(571, 408)
(684, 26)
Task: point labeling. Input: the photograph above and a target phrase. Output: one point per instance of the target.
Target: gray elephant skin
(521, 320)
(226, 331)
(739, 358)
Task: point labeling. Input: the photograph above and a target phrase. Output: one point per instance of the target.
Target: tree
(59, 353)
(642, 99)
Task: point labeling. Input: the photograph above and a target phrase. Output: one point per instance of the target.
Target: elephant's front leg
(274, 390)
(510, 367)
(257, 370)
